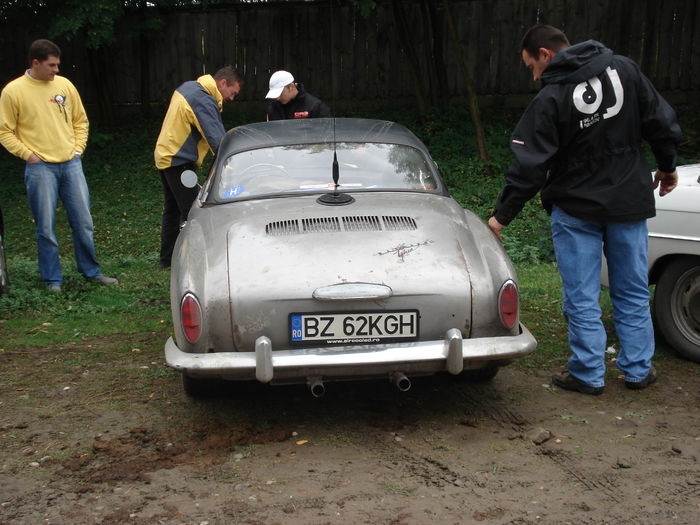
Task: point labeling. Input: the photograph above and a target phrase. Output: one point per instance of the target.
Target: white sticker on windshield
(233, 192)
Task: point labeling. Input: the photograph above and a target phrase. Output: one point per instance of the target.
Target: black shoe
(568, 382)
(648, 380)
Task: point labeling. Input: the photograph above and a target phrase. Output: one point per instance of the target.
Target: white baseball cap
(278, 81)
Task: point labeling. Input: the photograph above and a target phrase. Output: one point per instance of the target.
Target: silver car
(674, 263)
(329, 249)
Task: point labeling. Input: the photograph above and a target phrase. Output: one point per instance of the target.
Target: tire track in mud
(600, 483)
(432, 472)
(484, 401)
(685, 485)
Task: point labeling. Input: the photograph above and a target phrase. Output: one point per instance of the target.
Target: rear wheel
(677, 306)
(480, 374)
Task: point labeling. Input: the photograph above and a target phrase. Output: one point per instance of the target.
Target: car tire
(196, 387)
(4, 279)
(677, 306)
(480, 374)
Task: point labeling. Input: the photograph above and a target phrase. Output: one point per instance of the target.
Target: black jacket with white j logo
(580, 139)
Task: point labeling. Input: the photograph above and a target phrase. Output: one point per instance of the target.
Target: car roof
(314, 131)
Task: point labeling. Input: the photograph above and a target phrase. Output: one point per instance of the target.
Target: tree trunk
(471, 91)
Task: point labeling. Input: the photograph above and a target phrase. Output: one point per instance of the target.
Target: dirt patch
(140, 451)
(112, 439)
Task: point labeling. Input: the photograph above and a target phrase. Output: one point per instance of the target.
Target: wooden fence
(344, 57)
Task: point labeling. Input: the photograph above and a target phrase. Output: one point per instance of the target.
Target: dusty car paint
(254, 261)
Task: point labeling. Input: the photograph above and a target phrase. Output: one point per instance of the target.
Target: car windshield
(303, 168)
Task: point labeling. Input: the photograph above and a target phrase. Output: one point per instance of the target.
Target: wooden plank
(360, 57)
(683, 37)
(344, 80)
(694, 52)
(665, 27)
(323, 32)
(634, 30)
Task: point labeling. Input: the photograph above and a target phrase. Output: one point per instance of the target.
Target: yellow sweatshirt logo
(60, 100)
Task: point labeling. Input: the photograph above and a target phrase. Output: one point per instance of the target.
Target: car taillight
(508, 304)
(191, 317)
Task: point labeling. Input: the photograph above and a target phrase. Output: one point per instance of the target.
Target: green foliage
(365, 7)
(94, 19)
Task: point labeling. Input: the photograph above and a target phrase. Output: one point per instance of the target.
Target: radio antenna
(335, 198)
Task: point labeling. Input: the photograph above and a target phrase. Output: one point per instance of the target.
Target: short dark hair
(42, 49)
(543, 35)
(231, 75)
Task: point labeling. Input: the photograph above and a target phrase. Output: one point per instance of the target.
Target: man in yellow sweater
(192, 127)
(42, 121)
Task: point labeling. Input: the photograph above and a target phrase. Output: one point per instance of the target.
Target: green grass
(127, 201)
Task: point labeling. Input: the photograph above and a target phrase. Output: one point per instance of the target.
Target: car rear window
(307, 168)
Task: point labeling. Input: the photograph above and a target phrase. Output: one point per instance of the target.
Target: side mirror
(188, 179)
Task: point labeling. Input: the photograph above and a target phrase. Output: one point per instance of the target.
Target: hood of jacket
(577, 63)
(209, 84)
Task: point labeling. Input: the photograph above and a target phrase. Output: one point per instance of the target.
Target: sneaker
(648, 380)
(54, 288)
(568, 382)
(104, 280)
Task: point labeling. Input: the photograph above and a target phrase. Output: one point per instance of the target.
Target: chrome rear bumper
(453, 354)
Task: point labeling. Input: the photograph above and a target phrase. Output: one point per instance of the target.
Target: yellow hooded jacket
(192, 125)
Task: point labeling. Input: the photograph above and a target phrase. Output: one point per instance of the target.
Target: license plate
(353, 327)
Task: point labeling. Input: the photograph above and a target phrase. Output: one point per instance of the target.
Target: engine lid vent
(355, 223)
(398, 223)
(282, 228)
(367, 223)
(320, 225)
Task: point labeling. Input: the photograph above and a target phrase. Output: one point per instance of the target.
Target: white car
(674, 263)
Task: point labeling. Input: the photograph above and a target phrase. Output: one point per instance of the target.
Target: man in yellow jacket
(42, 121)
(192, 127)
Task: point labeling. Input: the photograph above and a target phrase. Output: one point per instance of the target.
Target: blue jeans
(578, 245)
(45, 183)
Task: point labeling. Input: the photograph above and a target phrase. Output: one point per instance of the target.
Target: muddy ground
(101, 432)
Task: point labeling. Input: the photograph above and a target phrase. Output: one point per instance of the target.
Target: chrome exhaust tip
(402, 382)
(316, 386)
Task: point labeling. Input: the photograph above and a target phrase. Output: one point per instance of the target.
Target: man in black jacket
(579, 143)
(289, 100)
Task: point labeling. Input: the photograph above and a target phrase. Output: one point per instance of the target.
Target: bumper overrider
(453, 354)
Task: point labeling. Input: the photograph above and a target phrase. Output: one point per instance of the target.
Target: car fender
(489, 267)
(194, 264)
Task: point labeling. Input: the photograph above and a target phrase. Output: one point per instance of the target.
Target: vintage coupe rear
(283, 276)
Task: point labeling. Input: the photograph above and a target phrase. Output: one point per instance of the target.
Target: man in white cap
(289, 100)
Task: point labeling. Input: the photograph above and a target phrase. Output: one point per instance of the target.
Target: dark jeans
(177, 200)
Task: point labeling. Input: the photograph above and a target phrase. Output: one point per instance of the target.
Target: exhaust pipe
(316, 386)
(401, 381)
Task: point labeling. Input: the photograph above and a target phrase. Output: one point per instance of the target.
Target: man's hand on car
(667, 180)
